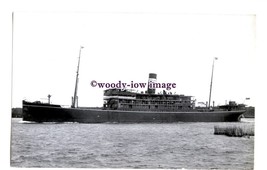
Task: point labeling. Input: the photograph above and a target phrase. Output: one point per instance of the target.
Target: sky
(127, 46)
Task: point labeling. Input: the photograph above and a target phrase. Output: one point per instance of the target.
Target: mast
(215, 58)
(76, 83)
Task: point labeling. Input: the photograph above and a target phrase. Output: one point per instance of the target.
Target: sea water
(144, 145)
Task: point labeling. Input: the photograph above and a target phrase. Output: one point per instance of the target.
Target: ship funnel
(151, 79)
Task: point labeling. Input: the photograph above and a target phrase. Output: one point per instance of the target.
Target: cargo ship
(122, 106)
(126, 106)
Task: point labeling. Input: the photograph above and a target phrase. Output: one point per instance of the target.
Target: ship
(128, 106)
(122, 106)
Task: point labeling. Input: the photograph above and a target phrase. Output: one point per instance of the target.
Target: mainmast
(76, 83)
(215, 58)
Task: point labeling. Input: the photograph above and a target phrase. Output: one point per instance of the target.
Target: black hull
(55, 113)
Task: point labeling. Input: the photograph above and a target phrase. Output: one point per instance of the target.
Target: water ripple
(156, 146)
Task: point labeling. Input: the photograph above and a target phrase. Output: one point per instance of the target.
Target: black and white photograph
(135, 89)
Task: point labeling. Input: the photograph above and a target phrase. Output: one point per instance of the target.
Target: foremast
(75, 97)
